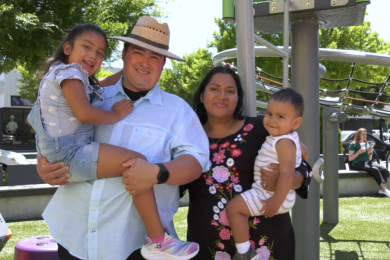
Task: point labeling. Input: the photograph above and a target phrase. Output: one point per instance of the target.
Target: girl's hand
(362, 150)
(123, 108)
(50, 173)
(270, 207)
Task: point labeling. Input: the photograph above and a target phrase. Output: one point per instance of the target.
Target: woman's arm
(369, 151)
(74, 93)
(110, 80)
(352, 155)
(301, 179)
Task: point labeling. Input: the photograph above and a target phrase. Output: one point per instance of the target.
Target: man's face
(142, 68)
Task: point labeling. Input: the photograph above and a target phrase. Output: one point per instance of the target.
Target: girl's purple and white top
(58, 118)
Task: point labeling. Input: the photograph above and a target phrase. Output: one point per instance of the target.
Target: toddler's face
(281, 118)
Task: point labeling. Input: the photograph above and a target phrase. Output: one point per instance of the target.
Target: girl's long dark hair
(59, 54)
(199, 108)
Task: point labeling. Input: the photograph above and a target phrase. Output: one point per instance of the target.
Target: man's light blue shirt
(97, 219)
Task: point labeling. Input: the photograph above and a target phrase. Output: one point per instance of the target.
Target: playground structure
(305, 17)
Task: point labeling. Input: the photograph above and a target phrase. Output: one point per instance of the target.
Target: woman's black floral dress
(231, 172)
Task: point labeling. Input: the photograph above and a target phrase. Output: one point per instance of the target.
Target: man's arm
(190, 149)
(50, 173)
(142, 175)
(110, 80)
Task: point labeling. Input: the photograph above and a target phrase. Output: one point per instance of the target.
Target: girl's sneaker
(169, 248)
(250, 255)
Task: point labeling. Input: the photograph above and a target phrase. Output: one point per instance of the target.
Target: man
(12, 126)
(97, 219)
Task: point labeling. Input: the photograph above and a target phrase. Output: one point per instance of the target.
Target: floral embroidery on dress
(223, 181)
(218, 157)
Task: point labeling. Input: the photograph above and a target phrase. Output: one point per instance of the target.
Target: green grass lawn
(363, 232)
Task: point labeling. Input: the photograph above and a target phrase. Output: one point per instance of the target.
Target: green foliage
(31, 30)
(101, 73)
(360, 38)
(28, 85)
(185, 77)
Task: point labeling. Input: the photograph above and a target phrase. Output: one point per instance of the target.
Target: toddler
(282, 118)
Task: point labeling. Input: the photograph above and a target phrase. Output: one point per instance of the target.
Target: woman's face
(220, 96)
(363, 136)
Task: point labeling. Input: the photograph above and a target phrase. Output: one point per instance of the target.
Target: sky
(192, 25)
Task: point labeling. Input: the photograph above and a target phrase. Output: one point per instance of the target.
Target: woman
(234, 144)
(360, 154)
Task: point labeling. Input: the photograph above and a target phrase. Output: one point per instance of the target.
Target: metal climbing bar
(386, 83)
(350, 78)
(286, 42)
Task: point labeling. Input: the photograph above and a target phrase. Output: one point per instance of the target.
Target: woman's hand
(304, 152)
(50, 173)
(362, 150)
(270, 177)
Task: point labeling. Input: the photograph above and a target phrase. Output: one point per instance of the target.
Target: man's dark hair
(199, 108)
(288, 95)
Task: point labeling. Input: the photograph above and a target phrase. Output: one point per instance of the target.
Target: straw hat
(151, 35)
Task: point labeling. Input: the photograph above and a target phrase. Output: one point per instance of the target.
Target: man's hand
(270, 207)
(270, 178)
(140, 177)
(49, 172)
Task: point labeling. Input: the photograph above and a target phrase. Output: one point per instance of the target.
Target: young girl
(64, 120)
(282, 118)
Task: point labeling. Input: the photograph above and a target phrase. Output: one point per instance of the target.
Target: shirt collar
(154, 95)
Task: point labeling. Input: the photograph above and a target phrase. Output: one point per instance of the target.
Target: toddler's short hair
(288, 95)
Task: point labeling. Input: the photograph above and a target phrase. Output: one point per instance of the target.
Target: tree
(360, 38)
(352, 38)
(185, 77)
(31, 30)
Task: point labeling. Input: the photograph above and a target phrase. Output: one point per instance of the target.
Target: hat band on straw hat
(144, 40)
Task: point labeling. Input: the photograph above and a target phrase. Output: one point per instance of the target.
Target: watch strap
(163, 170)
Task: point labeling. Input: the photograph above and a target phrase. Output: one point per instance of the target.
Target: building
(14, 108)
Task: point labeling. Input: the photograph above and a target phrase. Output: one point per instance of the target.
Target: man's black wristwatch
(163, 174)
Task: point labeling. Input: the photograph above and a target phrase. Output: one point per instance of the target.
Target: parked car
(386, 135)
(381, 148)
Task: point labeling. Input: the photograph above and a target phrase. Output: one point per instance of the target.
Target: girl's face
(87, 51)
(220, 96)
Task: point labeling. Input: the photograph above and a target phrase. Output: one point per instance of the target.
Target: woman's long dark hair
(59, 54)
(199, 108)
